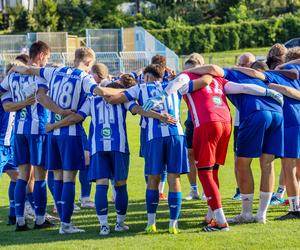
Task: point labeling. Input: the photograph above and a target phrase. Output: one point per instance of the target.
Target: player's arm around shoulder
(286, 91)
(65, 122)
(210, 69)
(251, 72)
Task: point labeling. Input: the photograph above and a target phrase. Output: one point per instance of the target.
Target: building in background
(27, 4)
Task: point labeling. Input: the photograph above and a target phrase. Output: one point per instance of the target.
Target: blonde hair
(84, 54)
(277, 50)
(100, 70)
(292, 54)
(12, 64)
(197, 58)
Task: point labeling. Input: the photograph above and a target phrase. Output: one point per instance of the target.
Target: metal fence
(12, 43)
(104, 40)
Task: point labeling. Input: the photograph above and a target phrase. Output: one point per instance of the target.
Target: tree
(45, 13)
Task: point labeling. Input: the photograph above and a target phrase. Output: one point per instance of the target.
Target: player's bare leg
(85, 184)
(237, 195)
(192, 176)
(246, 184)
(152, 200)
(266, 186)
(20, 196)
(277, 198)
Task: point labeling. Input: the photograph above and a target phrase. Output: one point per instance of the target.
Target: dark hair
(259, 65)
(37, 48)
(23, 58)
(191, 62)
(158, 59)
(127, 80)
(155, 69)
(274, 61)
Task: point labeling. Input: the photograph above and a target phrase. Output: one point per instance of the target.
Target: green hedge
(230, 36)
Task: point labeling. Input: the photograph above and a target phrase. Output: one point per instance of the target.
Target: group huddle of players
(42, 110)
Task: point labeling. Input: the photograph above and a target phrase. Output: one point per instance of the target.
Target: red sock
(210, 188)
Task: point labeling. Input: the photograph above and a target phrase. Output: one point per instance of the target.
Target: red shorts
(210, 143)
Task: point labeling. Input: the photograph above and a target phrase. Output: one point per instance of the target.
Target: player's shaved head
(292, 54)
(246, 59)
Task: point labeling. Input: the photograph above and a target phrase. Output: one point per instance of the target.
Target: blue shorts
(261, 132)
(30, 149)
(85, 142)
(112, 165)
(7, 159)
(65, 152)
(143, 141)
(292, 142)
(168, 153)
(189, 133)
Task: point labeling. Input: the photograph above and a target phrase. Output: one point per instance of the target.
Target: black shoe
(47, 224)
(292, 215)
(21, 228)
(11, 221)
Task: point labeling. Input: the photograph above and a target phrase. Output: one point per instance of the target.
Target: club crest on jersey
(217, 100)
(23, 114)
(106, 132)
(57, 117)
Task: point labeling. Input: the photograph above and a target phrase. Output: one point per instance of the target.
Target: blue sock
(174, 202)
(85, 184)
(40, 197)
(57, 192)
(152, 199)
(67, 198)
(163, 176)
(101, 202)
(20, 197)
(146, 179)
(30, 199)
(121, 202)
(11, 196)
(50, 182)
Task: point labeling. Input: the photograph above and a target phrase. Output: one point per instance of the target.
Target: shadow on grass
(192, 214)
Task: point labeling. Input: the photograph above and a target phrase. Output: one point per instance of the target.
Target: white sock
(247, 201)
(84, 199)
(120, 218)
(173, 223)
(102, 219)
(39, 220)
(113, 192)
(280, 191)
(21, 221)
(194, 188)
(220, 216)
(161, 187)
(210, 214)
(294, 203)
(264, 201)
(151, 219)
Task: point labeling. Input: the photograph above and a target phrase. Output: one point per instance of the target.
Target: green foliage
(230, 36)
(238, 13)
(45, 13)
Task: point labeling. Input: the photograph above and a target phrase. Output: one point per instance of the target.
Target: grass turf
(273, 235)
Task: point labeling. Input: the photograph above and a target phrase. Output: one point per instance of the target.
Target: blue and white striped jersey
(6, 126)
(67, 87)
(108, 124)
(171, 105)
(31, 119)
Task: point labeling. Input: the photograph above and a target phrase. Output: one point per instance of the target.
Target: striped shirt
(6, 126)
(108, 124)
(30, 120)
(67, 88)
(154, 128)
